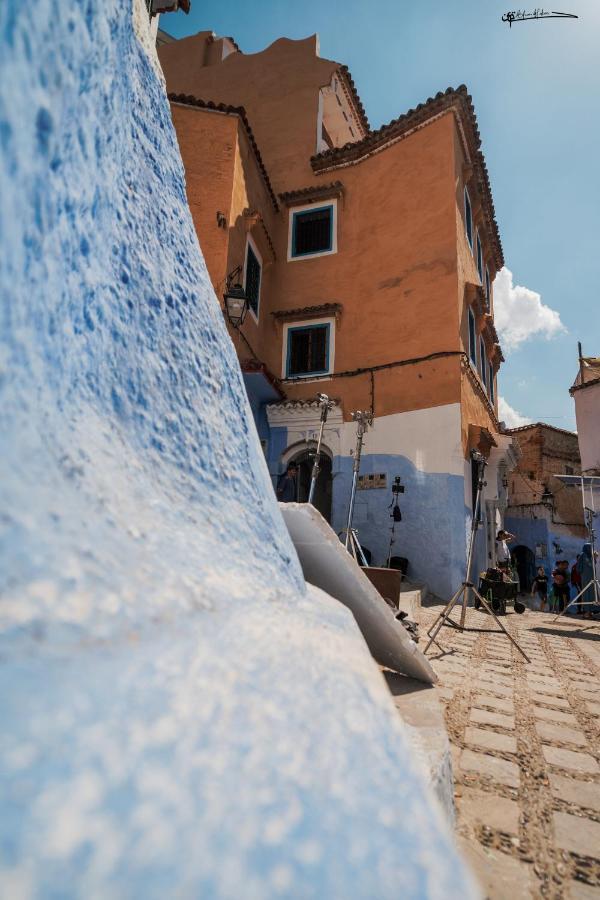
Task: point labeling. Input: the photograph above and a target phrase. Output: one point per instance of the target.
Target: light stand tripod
(325, 403)
(395, 515)
(587, 496)
(467, 585)
(363, 421)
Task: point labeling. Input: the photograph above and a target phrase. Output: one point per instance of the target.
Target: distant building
(586, 393)
(368, 258)
(545, 514)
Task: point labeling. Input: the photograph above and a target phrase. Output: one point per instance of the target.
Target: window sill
(292, 258)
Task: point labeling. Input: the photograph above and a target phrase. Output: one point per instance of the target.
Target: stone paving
(526, 751)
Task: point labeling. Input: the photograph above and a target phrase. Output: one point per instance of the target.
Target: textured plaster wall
(154, 621)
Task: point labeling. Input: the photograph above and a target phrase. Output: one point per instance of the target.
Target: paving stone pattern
(526, 752)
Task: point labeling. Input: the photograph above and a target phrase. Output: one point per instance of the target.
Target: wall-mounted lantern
(236, 305)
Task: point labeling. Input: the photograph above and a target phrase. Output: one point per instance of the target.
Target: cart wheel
(476, 602)
(520, 607)
(497, 606)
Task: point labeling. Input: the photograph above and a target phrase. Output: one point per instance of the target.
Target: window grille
(252, 280)
(472, 342)
(308, 350)
(468, 219)
(313, 231)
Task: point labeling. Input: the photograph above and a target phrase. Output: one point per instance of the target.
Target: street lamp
(236, 305)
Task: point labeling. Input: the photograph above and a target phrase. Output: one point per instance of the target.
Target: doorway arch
(304, 459)
(524, 559)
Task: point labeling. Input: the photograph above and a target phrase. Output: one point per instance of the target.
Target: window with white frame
(468, 219)
(252, 276)
(472, 338)
(313, 231)
(483, 362)
(308, 349)
(479, 258)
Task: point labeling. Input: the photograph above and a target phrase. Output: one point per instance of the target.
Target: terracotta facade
(269, 136)
(545, 514)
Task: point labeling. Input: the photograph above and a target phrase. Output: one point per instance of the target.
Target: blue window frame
(482, 362)
(253, 272)
(488, 288)
(468, 219)
(312, 231)
(491, 382)
(472, 340)
(308, 350)
(479, 259)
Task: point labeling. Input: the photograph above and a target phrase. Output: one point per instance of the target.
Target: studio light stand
(363, 421)
(395, 515)
(467, 585)
(325, 404)
(588, 483)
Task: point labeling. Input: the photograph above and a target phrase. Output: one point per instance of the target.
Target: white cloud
(520, 314)
(509, 415)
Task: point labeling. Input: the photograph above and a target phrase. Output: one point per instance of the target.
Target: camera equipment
(588, 483)
(363, 421)
(395, 515)
(325, 404)
(467, 585)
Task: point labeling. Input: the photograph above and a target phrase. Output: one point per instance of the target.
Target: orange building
(368, 258)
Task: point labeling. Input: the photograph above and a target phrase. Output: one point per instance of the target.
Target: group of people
(565, 579)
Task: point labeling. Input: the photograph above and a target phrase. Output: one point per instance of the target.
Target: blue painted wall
(174, 702)
(432, 532)
(531, 532)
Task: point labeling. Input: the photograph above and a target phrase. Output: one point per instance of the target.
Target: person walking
(287, 487)
(587, 575)
(540, 587)
(561, 592)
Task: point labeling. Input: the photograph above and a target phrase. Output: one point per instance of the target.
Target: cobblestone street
(526, 752)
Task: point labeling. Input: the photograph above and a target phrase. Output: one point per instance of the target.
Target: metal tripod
(363, 420)
(325, 403)
(587, 482)
(467, 585)
(354, 547)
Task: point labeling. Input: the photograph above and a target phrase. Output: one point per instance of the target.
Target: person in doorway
(540, 587)
(287, 487)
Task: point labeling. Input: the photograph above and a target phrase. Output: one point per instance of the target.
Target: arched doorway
(524, 559)
(322, 499)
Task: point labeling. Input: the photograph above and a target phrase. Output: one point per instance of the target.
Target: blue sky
(536, 90)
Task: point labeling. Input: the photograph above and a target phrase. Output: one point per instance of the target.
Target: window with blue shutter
(472, 339)
(468, 219)
(308, 350)
(479, 259)
(312, 231)
(252, 286)
(482, 362)
(491, 382)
